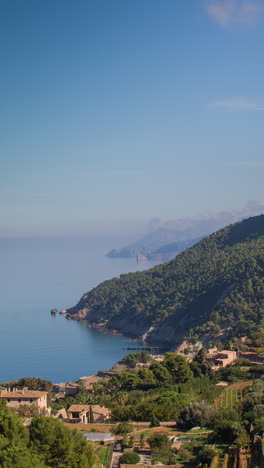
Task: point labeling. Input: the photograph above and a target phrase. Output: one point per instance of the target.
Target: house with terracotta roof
(17, 397)
(81, 413)
(221, 358)
(225, 357)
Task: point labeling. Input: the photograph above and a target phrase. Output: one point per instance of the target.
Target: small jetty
(54, 311)
(145, 348)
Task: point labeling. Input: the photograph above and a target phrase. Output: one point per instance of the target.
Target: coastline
(101, 326)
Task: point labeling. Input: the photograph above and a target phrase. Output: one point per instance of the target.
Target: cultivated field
(232, 395)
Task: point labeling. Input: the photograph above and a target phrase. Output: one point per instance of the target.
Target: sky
(114, 112)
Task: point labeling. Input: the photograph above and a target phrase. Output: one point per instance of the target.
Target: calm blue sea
(37, 275)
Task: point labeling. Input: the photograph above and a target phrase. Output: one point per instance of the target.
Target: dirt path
(117, 453)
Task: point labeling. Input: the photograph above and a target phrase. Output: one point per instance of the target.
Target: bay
(39, 274)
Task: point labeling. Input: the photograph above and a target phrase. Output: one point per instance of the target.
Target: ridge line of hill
(190, 296)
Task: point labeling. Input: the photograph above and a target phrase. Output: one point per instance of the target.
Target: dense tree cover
(131, 359)
(255, 342)
(230, 426)
(32, 383)
(161, 451)
(195, 414)
(201, 366)
(242, 369)
(150, 394)
(253, 406)
(153, 394)
(206, 455)
(156, 393)
(46, 443)
(123, 428)
(227, 424)
(217, 284)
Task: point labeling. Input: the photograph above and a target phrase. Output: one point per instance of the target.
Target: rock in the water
(63, 312)
(54, 311)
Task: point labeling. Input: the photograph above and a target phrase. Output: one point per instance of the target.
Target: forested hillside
(214, 289)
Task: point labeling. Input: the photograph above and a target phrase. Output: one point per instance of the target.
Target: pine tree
(91, 415)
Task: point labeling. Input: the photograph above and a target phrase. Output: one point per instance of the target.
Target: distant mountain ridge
(169, 251)
(163, 253)
(211, 291)
(168, 240)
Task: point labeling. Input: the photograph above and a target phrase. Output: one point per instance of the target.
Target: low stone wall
(148, 466)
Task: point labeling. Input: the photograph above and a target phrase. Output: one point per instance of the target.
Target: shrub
(123, 428)
(130, 458)
(195, 414)
(185, 455)
(206, 455)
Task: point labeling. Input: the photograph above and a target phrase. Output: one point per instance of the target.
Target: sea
(38, 274)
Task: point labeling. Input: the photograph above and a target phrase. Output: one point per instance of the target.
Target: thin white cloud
(252, 163)
(228, 13)
(211, 222)
(239, 104)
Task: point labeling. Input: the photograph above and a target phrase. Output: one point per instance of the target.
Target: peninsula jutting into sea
(132, 234)
(190, 399)
(211, 291)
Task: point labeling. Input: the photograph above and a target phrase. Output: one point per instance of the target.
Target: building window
(8, 400)
(19, 401)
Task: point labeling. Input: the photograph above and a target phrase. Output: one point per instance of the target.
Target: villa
(18, 397)
(81, 413)
(220, 358)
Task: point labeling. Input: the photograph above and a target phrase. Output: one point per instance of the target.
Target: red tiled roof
(32, 394)
(78, 408)
(95, 408)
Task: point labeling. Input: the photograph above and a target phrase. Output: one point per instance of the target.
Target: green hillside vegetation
(46, 443)
(169, 251)
(214, 287)
(152, 394)
(184, 392)
(159, 393)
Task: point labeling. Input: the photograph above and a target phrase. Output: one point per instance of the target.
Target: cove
(37, 275)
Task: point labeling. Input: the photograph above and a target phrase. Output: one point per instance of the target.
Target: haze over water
(37, 275)
(114, 113)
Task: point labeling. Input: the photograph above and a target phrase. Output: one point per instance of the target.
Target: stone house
(16, 398)
(221, 358)
(81, 413)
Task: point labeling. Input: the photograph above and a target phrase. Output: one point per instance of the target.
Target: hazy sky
(117, 111)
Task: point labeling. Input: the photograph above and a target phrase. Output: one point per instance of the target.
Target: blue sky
(114, 112)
